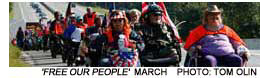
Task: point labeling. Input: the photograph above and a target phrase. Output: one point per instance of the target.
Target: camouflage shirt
(156, 37)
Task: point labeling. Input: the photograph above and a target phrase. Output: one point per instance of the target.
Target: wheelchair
(165, 57)
(193, 60)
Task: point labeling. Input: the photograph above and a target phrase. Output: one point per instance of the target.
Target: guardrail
(253, 44)
(48, 8)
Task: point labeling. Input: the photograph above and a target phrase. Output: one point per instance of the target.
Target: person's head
(212, 16)
(134, 15)
(57, 15)
(119, 21)
(79, 19)
(73, 18)
(61, 17)
(98, 21)
(153, 14)
(20, 29)
(89, 10)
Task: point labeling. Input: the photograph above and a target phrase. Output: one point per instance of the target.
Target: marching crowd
(134, 38)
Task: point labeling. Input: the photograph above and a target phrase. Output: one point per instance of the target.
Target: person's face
(99, 22)
(134, 17)
(57, 16)
(214, 19)
(73, 20)
(118, 24)
(89, 10)
(155, 19)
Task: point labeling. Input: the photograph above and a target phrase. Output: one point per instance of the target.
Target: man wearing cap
(159, 40)
(217, 43)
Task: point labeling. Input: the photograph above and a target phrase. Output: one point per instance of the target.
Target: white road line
(255, 54)
(21, 11)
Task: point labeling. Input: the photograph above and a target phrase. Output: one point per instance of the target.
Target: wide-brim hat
(213, 9)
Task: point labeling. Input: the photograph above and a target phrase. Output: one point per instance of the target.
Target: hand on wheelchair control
(193, 49)
(243, 51)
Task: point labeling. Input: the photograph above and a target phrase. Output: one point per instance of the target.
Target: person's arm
(239, 48)
(235, 44)
(84, 19)
(137, 41)
(102, 43)
(52, 27)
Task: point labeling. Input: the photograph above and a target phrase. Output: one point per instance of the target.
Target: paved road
(43, 59)
(62, 7)
(23, 13)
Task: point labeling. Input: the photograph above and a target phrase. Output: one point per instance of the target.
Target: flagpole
(114, 6)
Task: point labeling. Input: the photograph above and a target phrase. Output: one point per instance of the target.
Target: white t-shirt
(76, 35)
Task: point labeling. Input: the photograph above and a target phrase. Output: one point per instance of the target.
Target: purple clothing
(216, 45)
(212, 61)
(218, 50)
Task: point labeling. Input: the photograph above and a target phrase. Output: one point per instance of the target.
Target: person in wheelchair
(161, 46)
(215, 44)
(120, 44)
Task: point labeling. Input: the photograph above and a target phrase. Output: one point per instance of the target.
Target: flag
(104, 23)
(167, 20)
(125, 59)
(144, 8)
(68, 11)
(112, 6)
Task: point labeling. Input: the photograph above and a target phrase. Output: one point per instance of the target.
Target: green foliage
(11, 14)
(189, 12)
(14, 57)
(244, 18)
(10, 6)
(119, 5)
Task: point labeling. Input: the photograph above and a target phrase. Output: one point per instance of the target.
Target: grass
(11, 13)
(14, 57)
(100, 10)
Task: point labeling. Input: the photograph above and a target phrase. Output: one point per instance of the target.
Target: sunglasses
(117, 20)
(213, 13)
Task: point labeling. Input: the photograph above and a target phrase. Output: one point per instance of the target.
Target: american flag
(112, 6)
(125, 59)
